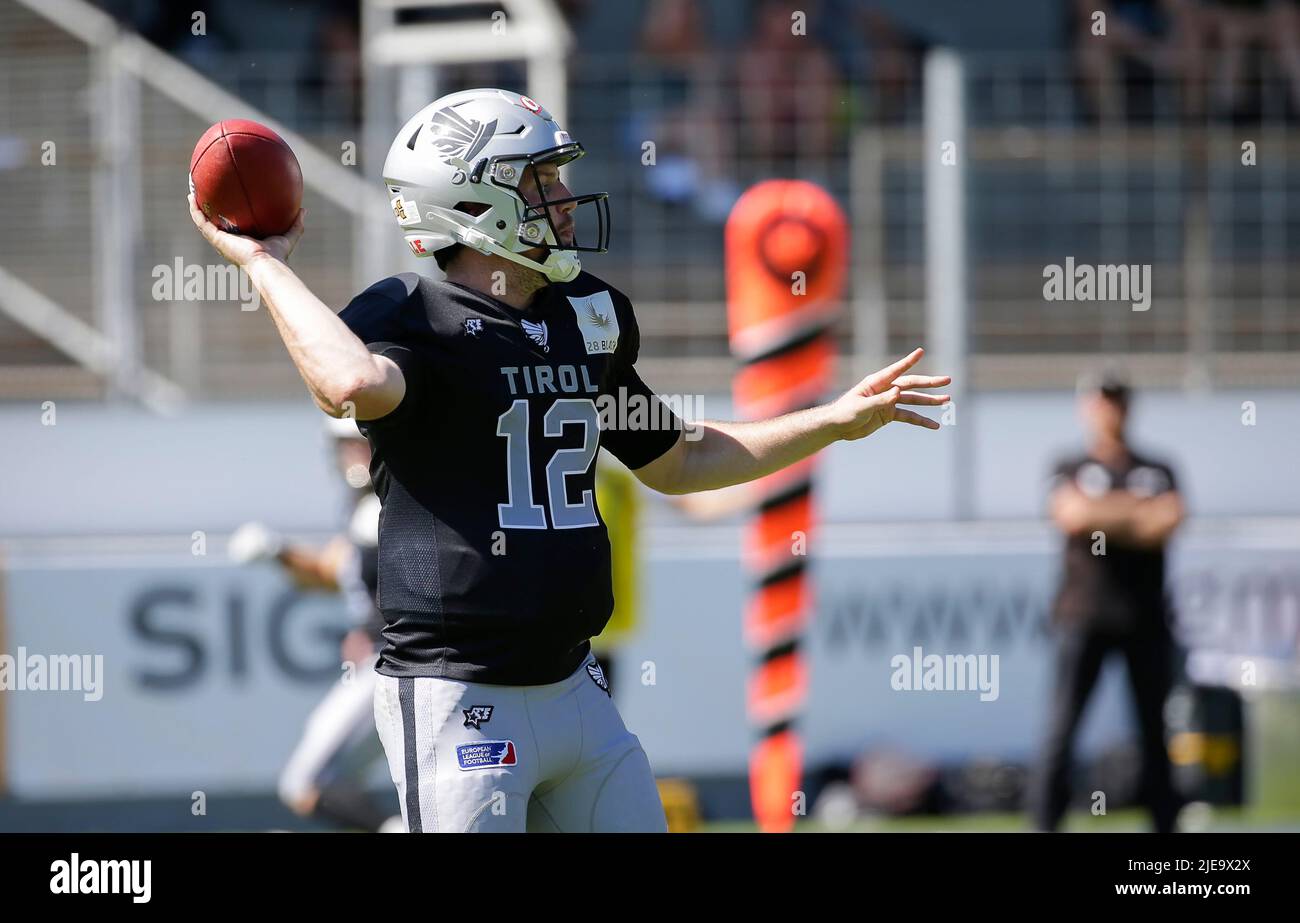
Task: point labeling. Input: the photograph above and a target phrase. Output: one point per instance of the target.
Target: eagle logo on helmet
(457, 136)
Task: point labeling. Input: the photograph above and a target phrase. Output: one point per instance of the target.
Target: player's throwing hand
(242, 250)
(876, 400)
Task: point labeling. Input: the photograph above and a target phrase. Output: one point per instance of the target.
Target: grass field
(1196, 818)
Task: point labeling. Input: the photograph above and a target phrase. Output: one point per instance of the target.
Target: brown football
(245, 179)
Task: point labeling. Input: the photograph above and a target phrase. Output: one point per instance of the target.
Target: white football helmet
(473, 147)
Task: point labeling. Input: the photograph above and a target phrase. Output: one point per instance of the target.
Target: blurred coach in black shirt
(1117, 509)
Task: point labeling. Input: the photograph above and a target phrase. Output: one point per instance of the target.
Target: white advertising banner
(207, 675)
(208, 671)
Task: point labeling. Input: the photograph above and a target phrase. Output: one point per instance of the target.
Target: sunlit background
(141, 427)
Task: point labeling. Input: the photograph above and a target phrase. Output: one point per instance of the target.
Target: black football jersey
(494, 563)
(1124, 589)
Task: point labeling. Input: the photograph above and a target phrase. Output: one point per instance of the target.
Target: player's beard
(525, 280)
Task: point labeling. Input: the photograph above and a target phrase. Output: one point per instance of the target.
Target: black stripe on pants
(406, 698)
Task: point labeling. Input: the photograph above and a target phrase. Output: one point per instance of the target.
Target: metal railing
(1043, 182)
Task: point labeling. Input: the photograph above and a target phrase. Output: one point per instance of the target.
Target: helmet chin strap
(560, 265)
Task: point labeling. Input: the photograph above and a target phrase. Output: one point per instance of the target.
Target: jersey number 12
(520, 511)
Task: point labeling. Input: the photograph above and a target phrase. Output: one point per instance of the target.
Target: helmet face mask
(477, 147)
(538, 214)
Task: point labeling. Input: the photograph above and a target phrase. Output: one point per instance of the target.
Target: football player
(486, 397)
(325, 775)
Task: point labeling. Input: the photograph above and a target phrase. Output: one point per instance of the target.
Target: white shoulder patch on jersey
(1093, 480)
(597, 320)
(1145, 481)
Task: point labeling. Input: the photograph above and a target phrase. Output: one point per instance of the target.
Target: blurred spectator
(334, 66)
(1240, 25)
(693, 154)
(1117, 510)
(1144, 39)
(573, 11)
(172, 27)
(789, 88)
(471, 74)
(893, 63)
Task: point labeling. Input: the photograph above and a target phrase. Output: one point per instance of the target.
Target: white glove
(254, 542)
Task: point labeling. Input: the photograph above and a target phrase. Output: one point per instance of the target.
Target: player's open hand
(242, 250)
(878, 399)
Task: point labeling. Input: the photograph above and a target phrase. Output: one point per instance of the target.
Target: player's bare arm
(1075, 513)
(1164, 514)
(316, 569)
(733, 453)
(343, 376)
(1143, 522)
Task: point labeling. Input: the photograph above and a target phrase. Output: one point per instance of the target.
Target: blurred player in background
(1117, 509)
(325, 775)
